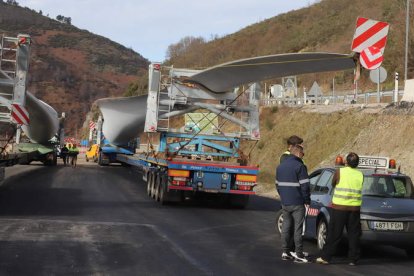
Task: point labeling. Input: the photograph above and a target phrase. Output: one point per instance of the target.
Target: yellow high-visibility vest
(348, 192)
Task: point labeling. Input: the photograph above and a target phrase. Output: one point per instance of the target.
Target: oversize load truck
(20, 110)
(200, 157)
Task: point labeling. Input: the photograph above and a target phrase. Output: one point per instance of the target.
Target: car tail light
(392, 164)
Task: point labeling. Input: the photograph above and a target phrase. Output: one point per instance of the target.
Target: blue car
(387, 211)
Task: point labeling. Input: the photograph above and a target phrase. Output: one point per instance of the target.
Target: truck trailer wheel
(157, 187)
(163, 193)
(149, 179)
(55, 159)
(153, 184)
(100, 159)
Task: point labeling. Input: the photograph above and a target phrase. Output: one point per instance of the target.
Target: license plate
(210, 191)
(387, 226)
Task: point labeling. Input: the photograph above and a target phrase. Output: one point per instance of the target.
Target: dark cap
(294, 140)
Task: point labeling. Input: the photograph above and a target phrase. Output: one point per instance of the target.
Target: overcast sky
(150, 26)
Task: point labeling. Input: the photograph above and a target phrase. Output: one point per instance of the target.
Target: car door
(320, 197)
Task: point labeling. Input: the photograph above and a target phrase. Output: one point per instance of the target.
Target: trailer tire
(163, 192)
(100, 159)
(55, 159)
(157, 187)
(149, 179)
(154, 180)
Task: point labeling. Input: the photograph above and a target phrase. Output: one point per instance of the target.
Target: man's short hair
(296, 149)
(294, 140)
(352, 159)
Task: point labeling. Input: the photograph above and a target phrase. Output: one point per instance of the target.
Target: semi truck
(184, 158)
(28, 126)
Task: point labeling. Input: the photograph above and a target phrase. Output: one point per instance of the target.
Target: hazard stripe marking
(20, 114)
(370, 33)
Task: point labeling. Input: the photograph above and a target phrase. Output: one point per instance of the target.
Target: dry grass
(325, 136)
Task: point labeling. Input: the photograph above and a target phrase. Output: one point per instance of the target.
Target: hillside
(325, 26)
(71, 68)
(329, 131)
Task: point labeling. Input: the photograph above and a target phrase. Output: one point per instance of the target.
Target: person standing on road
(345, 211)
(73, 152)
(292, 184)
(291, 141)
(64, 152)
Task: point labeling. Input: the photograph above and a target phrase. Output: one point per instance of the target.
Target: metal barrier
(363, 98)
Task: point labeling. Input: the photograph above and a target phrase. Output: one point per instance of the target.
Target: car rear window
(388, 186)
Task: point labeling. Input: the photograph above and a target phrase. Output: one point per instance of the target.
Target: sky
(150, 26)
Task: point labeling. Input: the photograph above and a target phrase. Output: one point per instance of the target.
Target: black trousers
(340, 219)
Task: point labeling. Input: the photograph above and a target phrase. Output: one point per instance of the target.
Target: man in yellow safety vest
(345, 211)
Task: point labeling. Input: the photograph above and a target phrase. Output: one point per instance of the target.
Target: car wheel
(279, 222)
(322, 234)
(86, 158)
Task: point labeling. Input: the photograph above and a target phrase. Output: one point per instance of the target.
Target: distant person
(292, 184)
(73, 153)
(291, 141)
(345, 211)
(64, 153)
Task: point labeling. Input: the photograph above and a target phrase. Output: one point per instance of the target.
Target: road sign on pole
(379, 75)
(371, 58)
(369, 33)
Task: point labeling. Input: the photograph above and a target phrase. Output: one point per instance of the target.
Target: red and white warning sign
(369, 33)
(92, 125)
(371, 58)
(19, 114)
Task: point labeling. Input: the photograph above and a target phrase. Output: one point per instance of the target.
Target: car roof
(369, 172)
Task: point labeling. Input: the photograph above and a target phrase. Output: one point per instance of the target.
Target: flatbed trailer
(201, 157)
(174, 178)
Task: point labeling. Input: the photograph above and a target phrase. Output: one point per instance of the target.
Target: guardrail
(362, 98)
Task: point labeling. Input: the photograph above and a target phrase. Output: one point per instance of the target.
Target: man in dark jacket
(292, 184)
(64, 152)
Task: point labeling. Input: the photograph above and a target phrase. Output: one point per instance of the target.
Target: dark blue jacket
(292, 182)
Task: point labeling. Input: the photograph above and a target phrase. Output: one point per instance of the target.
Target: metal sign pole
(378, 86)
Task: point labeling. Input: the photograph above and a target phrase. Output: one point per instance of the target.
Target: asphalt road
(93, 220)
